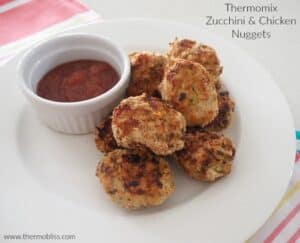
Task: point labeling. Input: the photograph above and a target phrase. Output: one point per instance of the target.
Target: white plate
(48, 183)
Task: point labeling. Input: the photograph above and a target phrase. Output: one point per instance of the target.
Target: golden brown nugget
(104, 138)
(188, 87)
(206, 156)
(134, 179)
(224, 117)
(147, 71)
(143, 122)
(197, 52)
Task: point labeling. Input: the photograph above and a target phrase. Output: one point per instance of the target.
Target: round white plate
(48, 183)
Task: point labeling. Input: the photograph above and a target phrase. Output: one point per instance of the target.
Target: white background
(280, 55)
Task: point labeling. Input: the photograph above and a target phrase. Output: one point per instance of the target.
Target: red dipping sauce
(77, 81)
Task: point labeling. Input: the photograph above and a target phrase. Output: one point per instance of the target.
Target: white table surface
(280, 55)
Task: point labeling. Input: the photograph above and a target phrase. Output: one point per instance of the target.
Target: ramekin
(72, 117)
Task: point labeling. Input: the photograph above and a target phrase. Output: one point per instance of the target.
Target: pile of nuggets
(173, 112)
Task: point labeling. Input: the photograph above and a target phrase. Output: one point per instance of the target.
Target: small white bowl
(73, 117)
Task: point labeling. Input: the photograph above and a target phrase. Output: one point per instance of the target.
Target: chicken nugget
(104, 138)
(147, 71)
(188, 87)
(134, 179)
(197, 52)
(143, 122)
(206, 156)
(224, 117)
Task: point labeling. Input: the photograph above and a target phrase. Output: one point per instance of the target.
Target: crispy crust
(104, 138)
(206, 156)
(135, 179)
(197, 52)
(188, 87)
(224, 117)
(143, 122)
(147, 71)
